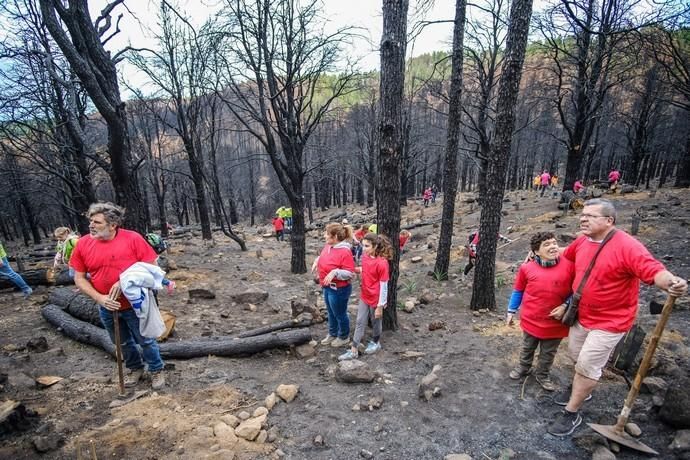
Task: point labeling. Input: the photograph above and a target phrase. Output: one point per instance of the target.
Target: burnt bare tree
(483, 291)
(392, 83)
(276, 59)
(82, 43)
(450, 168)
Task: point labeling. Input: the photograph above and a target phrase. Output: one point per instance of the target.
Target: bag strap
(578, 293)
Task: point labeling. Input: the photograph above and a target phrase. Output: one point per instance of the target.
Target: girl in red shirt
(336, 268)
(403, 239)
(374, 296)
(541, 286)
(279, 226)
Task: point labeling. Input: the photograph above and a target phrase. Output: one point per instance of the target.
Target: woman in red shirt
(542, 284)
(336, 268)
(374, 297)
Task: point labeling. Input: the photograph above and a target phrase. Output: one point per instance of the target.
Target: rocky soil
(229, 408)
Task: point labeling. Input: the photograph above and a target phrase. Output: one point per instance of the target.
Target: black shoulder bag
(570, 315)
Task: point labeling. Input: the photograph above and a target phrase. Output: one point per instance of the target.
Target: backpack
(156, 242)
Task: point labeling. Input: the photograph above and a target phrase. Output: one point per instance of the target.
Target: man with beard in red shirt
(608, 306)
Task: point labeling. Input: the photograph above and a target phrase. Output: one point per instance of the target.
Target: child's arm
(383, 299)
(513, 305)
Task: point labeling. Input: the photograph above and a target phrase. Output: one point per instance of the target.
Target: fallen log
(41, 277)
(304, 321)
(223, 346)
(76, 304)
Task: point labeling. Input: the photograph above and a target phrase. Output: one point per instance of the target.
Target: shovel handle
(118, 351)
(644, 365)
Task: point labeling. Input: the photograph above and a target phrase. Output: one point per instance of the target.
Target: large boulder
(676, 408)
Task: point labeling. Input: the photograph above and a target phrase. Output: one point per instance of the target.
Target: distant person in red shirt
(541, 285)
(105, 253)
(427, 196)
(403, 239)
(578, 187)
(336, 267)
(608, 306)
(357, 238)
(614, 177)
(374, 297)
(472, 250)
(279, 228)
(544, 181)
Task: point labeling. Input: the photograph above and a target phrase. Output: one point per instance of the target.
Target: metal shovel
(617, 432)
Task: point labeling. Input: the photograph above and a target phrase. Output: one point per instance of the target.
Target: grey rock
(365, 454)
(633, 429)
(47, 443)
(253, 297)
(375, 402)
(318, 440)
(305, 351)
(681, 441)
(457, 457)
(676, 408)
(201, 294)
(654, 385)
(354, 371)
(602, 453)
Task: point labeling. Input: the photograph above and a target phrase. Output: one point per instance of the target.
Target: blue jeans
(14, 277)
(129, 333)
(336, 305)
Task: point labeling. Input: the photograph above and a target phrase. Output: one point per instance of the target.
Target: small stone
(375, 402)
(244, 415)
(318, 440)
(259, 411)
(180, 450)
(633, 429)
(270, 401)
(225, 432)
(249, 429)
(404, 403)
(507, 454)
(287, 392)
(681, 442)
(262, 437)
(272, 434)
(416, 259)
(615, 447)
(457, 457)
(279, 453)
(204, 431)
(437, 324)
(230, 420)
(305, 351)
(365, 454)
(47, 443)
(356, 408)
(201, 294)
(602, 453)
(215, 448)
(654, 385)
(408, 306)
(354, 371)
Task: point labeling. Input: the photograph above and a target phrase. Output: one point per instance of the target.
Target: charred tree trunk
(450, 169)
(40, 277)
(393, 45)
(483, 295)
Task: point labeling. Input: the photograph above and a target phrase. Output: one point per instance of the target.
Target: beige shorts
(591, 348)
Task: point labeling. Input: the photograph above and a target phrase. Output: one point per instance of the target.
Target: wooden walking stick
(617, 432)
(118, 352)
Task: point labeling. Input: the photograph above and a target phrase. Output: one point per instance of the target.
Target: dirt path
(480, 411)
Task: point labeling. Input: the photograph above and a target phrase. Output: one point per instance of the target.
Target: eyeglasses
(591, 216)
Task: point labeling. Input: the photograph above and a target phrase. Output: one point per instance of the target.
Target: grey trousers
(365, 312)
(547, 353)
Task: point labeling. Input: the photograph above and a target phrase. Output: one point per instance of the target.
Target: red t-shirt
(277, 224)
(359, 234)
(614, 176)
(403, 240)
(332, 258)
(374, 270)
(544, 288)
(577, 186)
(609, 299)
(106, 260)
(545, 179)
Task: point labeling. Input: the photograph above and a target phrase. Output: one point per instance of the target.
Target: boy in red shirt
(541, 285)
(374, 296)
(279, 227)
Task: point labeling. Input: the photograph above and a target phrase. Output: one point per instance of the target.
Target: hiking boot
(133, 377)
(349, 354)
(546, 383)
(157, 380)
(565, 423)
(519, 372)
(338, 342)
(327, 340)
(563, 397)
(372, 347)
(27, 293)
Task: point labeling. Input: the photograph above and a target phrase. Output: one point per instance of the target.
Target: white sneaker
(372, 347)
(338, 342)
(327, 340)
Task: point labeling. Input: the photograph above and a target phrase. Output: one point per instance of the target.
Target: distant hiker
(544, 181)
(403, 239)
(554, 185)
(357, 238)
(473, 241)
(609, 303)
(427, 196)
(536, 181)
(374, 295)
(288, 218)
(578, 187)
(541, 285)
(336, 268)
(278, 226)
(105, 254)
(66, 241)
(14, 277)
(614, 177)
(434, 192)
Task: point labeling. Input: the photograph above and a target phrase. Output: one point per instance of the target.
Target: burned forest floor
(480, 412)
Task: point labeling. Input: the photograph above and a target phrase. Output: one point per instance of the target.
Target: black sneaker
(562, 398)
(565, 423)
